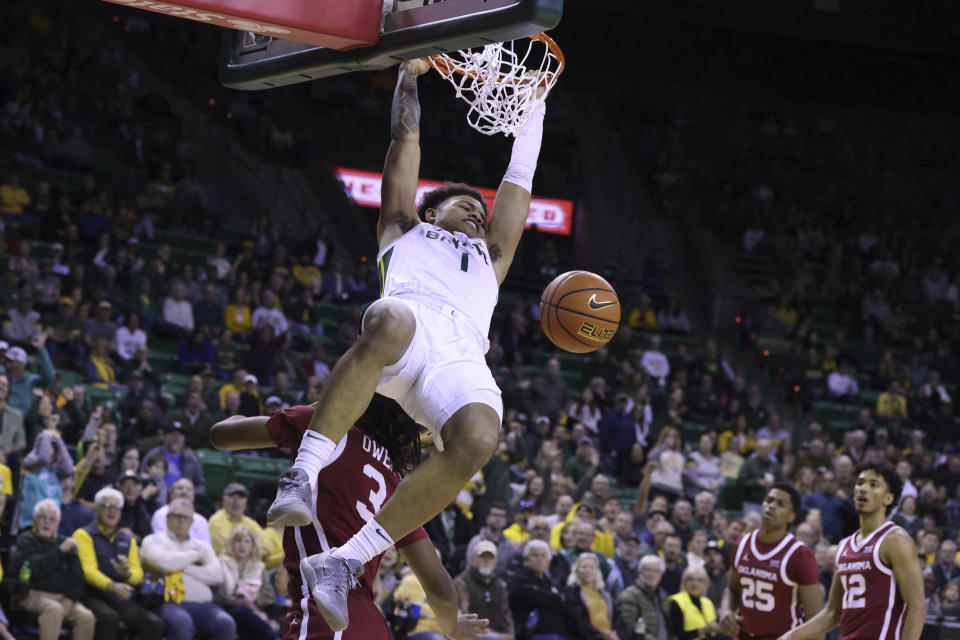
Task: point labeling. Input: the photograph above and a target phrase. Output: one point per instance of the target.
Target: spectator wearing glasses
(56, 577)
(182, 488)
(496, 520)
(190, 569)
(485, 594)
(111, 567)
(559, 568)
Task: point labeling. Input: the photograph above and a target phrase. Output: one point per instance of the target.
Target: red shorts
(366, 621)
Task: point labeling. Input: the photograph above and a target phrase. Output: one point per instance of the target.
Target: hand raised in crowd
(68, 545)
(149, 491)
(593, 457)
(39, 339)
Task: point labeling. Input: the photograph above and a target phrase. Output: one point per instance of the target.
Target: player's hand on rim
(470, 625)
(418, 66)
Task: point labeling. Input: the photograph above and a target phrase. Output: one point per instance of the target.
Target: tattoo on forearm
(405, 113)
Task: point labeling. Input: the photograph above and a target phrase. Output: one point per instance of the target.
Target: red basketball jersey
(872, 606)
(356, 481)
(770, 575)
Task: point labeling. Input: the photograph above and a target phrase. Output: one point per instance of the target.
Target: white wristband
(526, 149)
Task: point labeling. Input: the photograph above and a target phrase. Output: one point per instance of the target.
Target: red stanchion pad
(331, 24)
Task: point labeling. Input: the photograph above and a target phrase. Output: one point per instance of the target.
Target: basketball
(579, 311)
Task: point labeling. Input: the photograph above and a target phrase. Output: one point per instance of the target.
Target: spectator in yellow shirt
(13, 197)
(237, 316)
(892, 402)
(410, 594)
(111, 567)
(6, 483)
(231, 515)
(235, 384)
(643, 316)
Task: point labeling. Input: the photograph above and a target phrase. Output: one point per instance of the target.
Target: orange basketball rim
(446, 65)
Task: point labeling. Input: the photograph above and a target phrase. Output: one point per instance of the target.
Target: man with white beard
(483, 593)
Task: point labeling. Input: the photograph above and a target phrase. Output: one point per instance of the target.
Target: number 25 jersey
(873, 608)
(770, 576)
(445, 268)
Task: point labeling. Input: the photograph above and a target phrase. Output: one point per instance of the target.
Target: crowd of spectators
(622, 479)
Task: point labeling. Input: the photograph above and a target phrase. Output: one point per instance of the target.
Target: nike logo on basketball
(593, 304)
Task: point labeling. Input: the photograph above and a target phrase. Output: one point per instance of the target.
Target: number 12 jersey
(873, 608)
(770, 576)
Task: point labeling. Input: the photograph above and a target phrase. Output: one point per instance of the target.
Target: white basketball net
(497, 83)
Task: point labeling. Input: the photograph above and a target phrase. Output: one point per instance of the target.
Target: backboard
(410, 29)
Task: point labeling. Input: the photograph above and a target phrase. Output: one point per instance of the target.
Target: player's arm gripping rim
(441, 592)
(900, 554)
(401, 170)
(512, 206)
(826, 620)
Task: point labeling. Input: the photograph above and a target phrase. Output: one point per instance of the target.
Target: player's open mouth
(767, 514)
(860, 499)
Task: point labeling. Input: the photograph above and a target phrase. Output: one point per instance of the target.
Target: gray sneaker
(330, 579)
(291, 507)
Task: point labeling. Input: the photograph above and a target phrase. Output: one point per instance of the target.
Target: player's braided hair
(433, 199)
(390, 426)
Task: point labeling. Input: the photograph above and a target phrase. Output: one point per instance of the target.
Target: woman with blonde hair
(692, 614)
(246, 588)
(589, 605)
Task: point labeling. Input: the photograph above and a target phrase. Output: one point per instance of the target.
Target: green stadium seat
(217, 469)
(249, 470)
(829, 413)
(69, 378)
(868, 398)
(730, 498)
(690, 432)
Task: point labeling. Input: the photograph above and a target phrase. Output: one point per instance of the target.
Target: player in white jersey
(422, 343)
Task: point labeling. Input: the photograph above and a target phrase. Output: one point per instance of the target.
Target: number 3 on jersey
(854, 586)
(757, 594)
(377, 498)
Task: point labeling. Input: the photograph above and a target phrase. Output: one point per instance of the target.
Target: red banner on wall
(548, 214)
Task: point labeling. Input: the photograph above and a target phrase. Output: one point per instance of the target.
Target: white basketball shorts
(442, 370)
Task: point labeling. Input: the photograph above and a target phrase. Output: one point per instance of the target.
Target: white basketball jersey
(445, 268)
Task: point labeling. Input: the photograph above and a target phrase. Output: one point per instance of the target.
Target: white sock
(315, 448)
(366, 544)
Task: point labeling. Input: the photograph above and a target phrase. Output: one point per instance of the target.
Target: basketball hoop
(500, 82)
